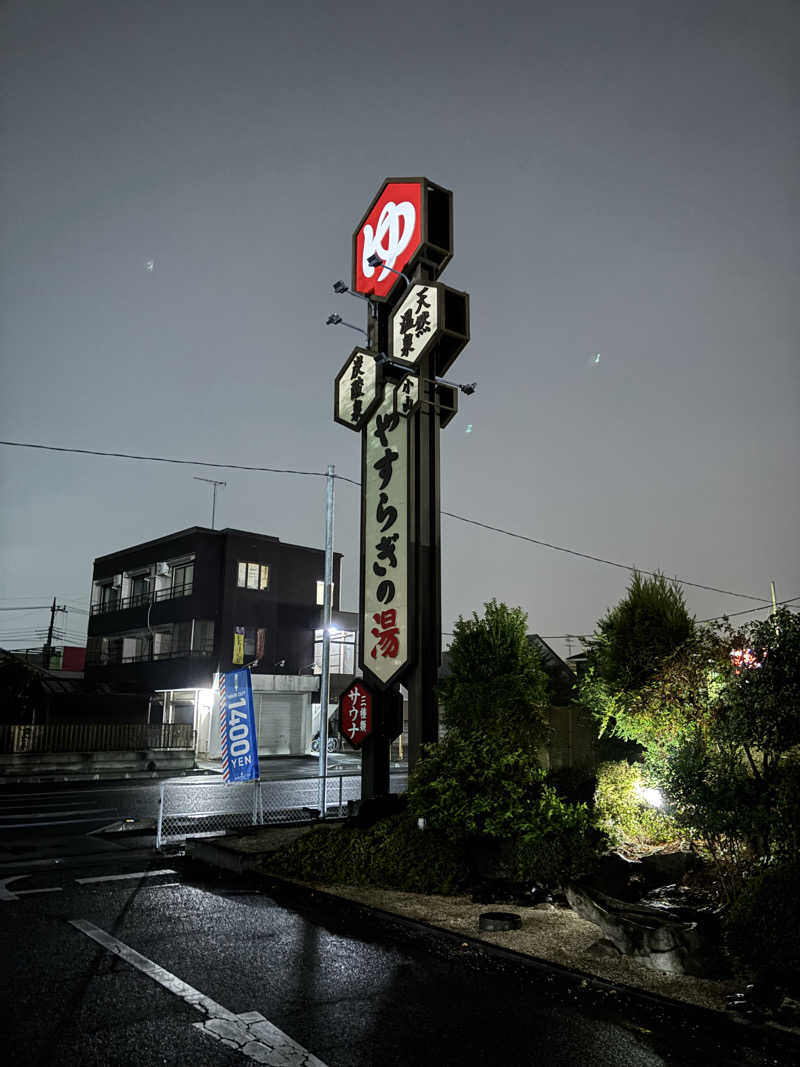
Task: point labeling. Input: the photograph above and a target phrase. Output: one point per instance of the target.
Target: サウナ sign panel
(356, 713)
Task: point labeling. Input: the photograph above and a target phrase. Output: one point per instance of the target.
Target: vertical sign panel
(237, 727)
(385, 608)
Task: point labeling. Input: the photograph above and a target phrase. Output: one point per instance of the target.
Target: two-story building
(168, 615)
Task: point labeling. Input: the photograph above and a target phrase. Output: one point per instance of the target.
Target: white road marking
(250, 1033)
(8, 894)
(123, 877)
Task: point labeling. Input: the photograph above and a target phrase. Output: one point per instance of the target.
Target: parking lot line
(253, 1035)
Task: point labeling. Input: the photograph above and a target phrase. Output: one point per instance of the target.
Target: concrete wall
(154, 760)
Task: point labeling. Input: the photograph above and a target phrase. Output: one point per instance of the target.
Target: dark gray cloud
(625, 181)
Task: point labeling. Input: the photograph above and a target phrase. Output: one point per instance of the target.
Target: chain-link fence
(203, 807)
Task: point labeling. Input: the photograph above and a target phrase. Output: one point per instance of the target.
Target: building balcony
(112, 658)
(140, 599)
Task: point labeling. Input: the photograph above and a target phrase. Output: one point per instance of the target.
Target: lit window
(321, 593)
(342, 651)
(249, 643)
(252, 576)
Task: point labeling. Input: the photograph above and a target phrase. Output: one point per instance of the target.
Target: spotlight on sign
(376, 261)
(342, 287)
(337, 320)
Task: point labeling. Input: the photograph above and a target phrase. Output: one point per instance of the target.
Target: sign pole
(325, 680)
(423, 717)
(393, 392)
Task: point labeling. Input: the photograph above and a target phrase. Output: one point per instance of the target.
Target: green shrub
(786, 809)
(392, 854)
(569, 848)
(763, 924)
(623, 814)
(476, 785)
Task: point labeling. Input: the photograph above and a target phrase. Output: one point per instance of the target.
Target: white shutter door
(279, 723)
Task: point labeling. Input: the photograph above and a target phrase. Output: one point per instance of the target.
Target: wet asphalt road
(352, 988)
(353, 991)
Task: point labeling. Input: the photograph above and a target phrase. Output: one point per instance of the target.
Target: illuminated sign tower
(388, 390)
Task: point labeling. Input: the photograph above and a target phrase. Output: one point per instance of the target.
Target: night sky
(625, 179)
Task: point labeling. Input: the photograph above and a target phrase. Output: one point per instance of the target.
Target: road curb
(602, 990)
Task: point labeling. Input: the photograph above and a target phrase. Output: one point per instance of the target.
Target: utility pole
(325, 680)
(214, 483)
(47, 650)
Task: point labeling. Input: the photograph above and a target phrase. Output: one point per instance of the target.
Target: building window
(139, 589)
(109, 596)
(249, 644)
(182, 638)
(321, 593)
(166, 642)
(252, 576)
(182, 577)
(342, 652)
(203, 640)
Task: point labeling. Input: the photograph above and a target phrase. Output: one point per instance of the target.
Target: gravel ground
(556, 935)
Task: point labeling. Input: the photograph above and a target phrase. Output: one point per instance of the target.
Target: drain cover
(499, 920)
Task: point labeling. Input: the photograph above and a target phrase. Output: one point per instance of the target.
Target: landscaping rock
(654, 937)
(603, 950)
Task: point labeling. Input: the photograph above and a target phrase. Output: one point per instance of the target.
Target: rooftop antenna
(214, 483)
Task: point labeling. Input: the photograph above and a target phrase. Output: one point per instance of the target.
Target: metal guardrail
(95, 737)
(199, 807)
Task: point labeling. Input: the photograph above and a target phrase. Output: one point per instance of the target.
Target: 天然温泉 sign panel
(385, 607)
(237, 727)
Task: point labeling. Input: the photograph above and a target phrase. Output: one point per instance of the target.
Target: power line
(599, 559)
(168, 459)
(323, 474)
(749, 611)
(35, 607)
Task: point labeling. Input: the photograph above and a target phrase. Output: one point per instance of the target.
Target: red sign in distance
(392, 228)
(356, 713)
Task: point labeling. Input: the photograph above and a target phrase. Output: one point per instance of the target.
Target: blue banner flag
(237, 727)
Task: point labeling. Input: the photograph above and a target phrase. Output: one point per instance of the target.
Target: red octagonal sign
(356, 717)
(410, 219)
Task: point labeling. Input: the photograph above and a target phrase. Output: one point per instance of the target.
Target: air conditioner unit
(117, 581)
(162, 570)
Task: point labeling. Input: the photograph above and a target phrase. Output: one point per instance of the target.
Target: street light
(376, 261)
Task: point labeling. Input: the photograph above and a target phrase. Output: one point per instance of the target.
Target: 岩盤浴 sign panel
(385, 607)
(237, 727)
